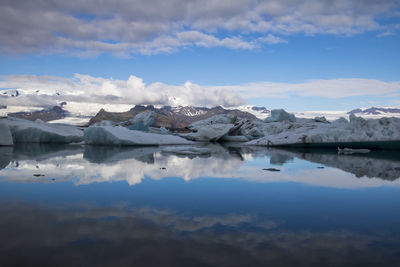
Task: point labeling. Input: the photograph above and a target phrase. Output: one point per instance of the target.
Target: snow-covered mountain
(375, 111)
(189, 111)
(259, 112)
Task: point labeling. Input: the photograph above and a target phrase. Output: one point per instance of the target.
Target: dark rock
(176, 119)
(55, 113)
(272, 170)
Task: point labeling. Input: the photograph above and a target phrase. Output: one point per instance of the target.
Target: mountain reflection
(121, 236)
(89, 164)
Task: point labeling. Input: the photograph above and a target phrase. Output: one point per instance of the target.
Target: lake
(71, 205)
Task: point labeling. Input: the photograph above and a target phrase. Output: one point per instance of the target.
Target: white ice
(118, 135)
(280, 115)
(357, 130)
(24, 131)
(5, 135)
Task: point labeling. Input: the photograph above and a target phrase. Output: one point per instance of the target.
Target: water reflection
(120, 236)
(71, 205)
(89, 164)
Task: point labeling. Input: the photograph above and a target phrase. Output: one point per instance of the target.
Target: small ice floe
(187, 150)
(352, 151)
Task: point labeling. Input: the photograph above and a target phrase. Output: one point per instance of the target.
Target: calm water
(107, 206)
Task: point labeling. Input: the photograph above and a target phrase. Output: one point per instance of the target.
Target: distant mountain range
(374, 111)
(169, 117)
(181, 116)
(54, 113)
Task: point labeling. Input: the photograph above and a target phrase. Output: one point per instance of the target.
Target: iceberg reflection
(95, 164)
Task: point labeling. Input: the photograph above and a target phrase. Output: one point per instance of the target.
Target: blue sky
(234, 48)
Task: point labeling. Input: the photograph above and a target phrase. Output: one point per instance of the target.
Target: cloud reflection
(97, 164)
(119, 236)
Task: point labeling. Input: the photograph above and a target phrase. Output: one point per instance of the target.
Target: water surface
(234, 206)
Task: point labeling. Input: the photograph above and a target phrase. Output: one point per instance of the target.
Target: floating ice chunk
(352, 151)
(24, 131)
(161, 130)
(142, 121)
(234, 138)
(212, 132)
(118, 135)
(357, 130)
(5, 136)
(187, 150)
(278, 115)
(217, 119)
(105, 123)
(340, 120)
(321, 119)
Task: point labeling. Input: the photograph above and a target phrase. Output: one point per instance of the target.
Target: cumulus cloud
(333, 88)
(124, 27)
(50, 90)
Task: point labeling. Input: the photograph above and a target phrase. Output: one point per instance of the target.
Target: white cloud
(333, 88)
(51, 90)
(124, 27)
(271, 39)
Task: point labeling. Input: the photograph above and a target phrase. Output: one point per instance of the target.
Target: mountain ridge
(169, 117)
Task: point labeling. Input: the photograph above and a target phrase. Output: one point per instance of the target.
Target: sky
(294, 54)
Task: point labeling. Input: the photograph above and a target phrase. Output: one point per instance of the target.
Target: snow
(335, 114)
(118, 135)
(24, 131)
(259, 113)
(5, 136)
(76, 121)
(280, 115)
(357, 130)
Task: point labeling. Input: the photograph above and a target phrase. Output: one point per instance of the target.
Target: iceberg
(142, 121)
(187, 150)
(216, 119)
(24, 131)
(118, 135)
(358, 130)
(278, 115)
(212, 132)
(347, 151)
(5, 136)
(211, 129)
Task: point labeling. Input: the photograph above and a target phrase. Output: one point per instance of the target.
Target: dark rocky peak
(49, 114)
